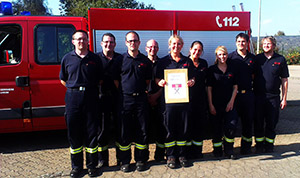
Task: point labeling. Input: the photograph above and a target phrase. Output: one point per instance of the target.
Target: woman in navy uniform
(221, 91)
(175, 115)
(198, 99)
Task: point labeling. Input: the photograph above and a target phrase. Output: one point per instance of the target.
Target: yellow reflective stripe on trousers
(102, 148)
(140, 146)
(170, 144)
(269, 140)
(91, 150)
(76, 150)
(218, 144)
(229, 140)
(188, 143)
(247, 139)
(259, 139)
(160, 145)
(123, 148)
(181, 143)
(197, 143)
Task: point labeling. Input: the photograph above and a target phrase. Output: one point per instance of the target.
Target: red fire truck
(31, 48)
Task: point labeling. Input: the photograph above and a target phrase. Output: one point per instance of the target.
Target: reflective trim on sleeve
(91, 150)
(197, 143)
(218, 144)
(247, 139)
(160, 145)
(170, 144)
(181, 143)
(260, 139)
(229, 140)
(123, 148)
(76, 150)
(140, 146)
(269, 140)
(103, 148)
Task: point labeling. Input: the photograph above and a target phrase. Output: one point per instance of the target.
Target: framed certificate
(176, 89)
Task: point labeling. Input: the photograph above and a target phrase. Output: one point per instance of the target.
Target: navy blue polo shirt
(133, 73)
(81, 72)
(198, 91)
(108, 84)
(153, 87)
(268, 74)
(168, 63)
(244, 68)
(222, 84)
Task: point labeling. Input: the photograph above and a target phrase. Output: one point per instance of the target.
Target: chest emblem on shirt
(230, 76)
(141, 65)
(276, 63)
(185, 65)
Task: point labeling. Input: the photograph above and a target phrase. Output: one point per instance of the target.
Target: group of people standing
(132, 101)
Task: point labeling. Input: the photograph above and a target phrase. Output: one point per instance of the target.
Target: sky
(276, 15)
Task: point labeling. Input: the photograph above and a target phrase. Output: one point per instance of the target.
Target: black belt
(134, 94)
(244, 91)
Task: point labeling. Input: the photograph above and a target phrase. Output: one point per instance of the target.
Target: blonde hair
(175, 37)
(270, 38)
(220, 48)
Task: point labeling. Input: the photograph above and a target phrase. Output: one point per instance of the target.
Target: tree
(35, 7)
(80, 7)
(280, 33)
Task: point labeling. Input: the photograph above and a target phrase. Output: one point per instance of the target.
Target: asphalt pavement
(46, 154)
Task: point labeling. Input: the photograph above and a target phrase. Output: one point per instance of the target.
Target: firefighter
(199, 120)
(156, 127)
(81, 71)
(132, 76)
(271, 71)
(176, 118)
(221, 91)
(108, 98)
(243, 61)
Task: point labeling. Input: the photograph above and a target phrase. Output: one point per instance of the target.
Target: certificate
(176, 88)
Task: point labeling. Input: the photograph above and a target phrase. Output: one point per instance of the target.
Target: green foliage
(293, 56)
(35, 7)
(80, 7)
(280, 33)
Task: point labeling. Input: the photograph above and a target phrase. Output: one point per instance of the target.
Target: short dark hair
(197, 42)
(81, 31)
(134, 32)
(242, 35)
(110, 35)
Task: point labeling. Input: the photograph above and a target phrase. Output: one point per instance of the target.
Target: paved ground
(45, 154)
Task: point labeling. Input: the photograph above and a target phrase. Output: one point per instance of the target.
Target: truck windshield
(10, 44)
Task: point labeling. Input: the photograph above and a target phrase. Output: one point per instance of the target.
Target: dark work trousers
(133, 127)
(176, 121)
(81, 119)
(108, 123)
(266, 119)
(157, 130)
(224, 125)
(245, 108)
(199, 127)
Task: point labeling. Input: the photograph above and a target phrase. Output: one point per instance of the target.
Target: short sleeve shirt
(108, 82)
(168, 63)
(222, 84)
(244, 68)
(133, 73)
(268, 74)
(81, 72)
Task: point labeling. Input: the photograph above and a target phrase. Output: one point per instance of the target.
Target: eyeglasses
(154, 47)
(80, 39)
(132, 41)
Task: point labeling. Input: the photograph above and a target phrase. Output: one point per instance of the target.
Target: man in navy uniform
(271, 71)
(243, 61)
(132, 76)
(81, 71)
(108, 98)
(157, 129)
